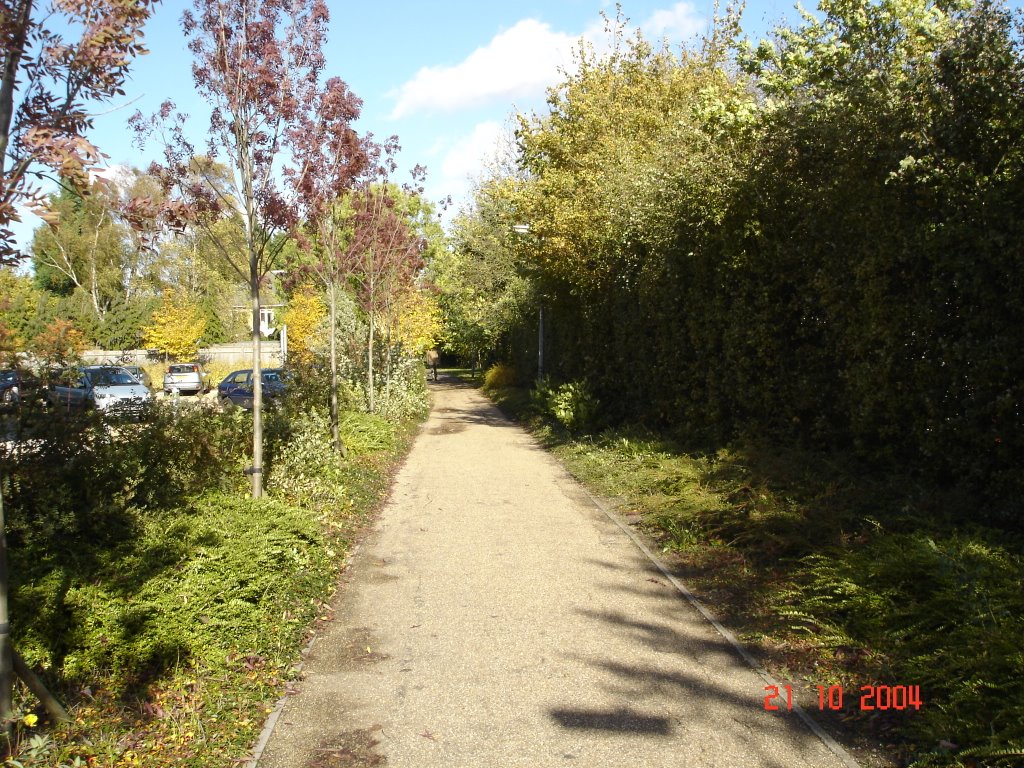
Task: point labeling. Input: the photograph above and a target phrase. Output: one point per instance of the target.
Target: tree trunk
(6, 668)
(369, 366)
(339, 446)
(53, 707)
(257, 379)
(387, 367)
(19, 21)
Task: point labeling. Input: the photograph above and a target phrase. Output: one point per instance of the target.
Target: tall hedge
(816, 240)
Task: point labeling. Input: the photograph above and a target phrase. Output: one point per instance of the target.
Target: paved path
(496, 618)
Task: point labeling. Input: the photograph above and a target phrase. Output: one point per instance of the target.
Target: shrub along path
(497, 617)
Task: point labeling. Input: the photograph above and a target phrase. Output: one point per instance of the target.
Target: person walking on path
(497, 617)
(432, 360)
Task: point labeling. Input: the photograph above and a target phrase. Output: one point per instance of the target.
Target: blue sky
(443, 76)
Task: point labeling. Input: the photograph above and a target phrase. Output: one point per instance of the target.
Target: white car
(186, 377)
(103, 387)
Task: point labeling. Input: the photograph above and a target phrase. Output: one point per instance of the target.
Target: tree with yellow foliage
(419, 321)
(177, 327)
(304, 318)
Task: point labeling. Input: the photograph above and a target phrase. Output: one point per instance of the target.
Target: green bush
(947, 614)
(224, 574)
(572, 404)
(81, 478)
(402, 393)
(144, 575)
(305, 470)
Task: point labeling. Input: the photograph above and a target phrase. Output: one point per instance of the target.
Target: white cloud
(517, 63)
(465, 159)
(520, 62)
(680, 22)
(471, 152)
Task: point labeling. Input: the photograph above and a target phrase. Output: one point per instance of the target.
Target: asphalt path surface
(497, 617)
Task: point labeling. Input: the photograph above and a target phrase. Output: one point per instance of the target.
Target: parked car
(103, 387)
(186, 377)
(236, 389)
(140, 373)
(16, 386)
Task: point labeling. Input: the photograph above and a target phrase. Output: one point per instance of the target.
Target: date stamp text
(832, 697)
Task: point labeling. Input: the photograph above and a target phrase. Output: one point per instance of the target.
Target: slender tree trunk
(387, 367)
(371, 304)
(257, 379)
(94, 292)
(94, 288)
(245, 173)
(6, 665)
(53, 707)
(339, 446)
(369, 366)
(9, 77)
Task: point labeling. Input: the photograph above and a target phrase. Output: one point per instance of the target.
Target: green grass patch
(839, 575)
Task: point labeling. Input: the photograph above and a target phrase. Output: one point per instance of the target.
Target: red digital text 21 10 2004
(871, 697)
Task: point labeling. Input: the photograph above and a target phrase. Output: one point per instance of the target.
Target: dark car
(13, 386)
(16, 386)
(236, 389)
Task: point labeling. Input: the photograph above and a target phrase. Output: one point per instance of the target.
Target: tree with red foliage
(46, 81)
(330, 157)
(384, 253)
(258, 63)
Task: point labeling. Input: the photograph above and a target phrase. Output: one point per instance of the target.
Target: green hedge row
(839, 266)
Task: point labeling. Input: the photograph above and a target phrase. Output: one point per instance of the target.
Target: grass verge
(838, 576)
(170, 629)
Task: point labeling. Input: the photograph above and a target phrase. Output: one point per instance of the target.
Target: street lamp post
(523, 229)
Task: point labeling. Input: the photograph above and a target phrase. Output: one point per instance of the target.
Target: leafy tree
(19, 307)
(330, 157)
(383, 257)
(304, 318)
(59, 344)
(9, 343)
(176, 328)
(419, 321)
(485, 293)
(46, 80)
(258, 64)
(123, 325)
(85, 249)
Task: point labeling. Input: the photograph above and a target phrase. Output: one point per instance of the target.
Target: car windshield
(7, 376)
(272, 376)
(112, 377)
(182, 369)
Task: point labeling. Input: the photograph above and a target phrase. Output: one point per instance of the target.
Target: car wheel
(10, 396)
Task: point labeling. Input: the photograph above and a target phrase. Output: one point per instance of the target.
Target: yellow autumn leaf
(30, 720)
